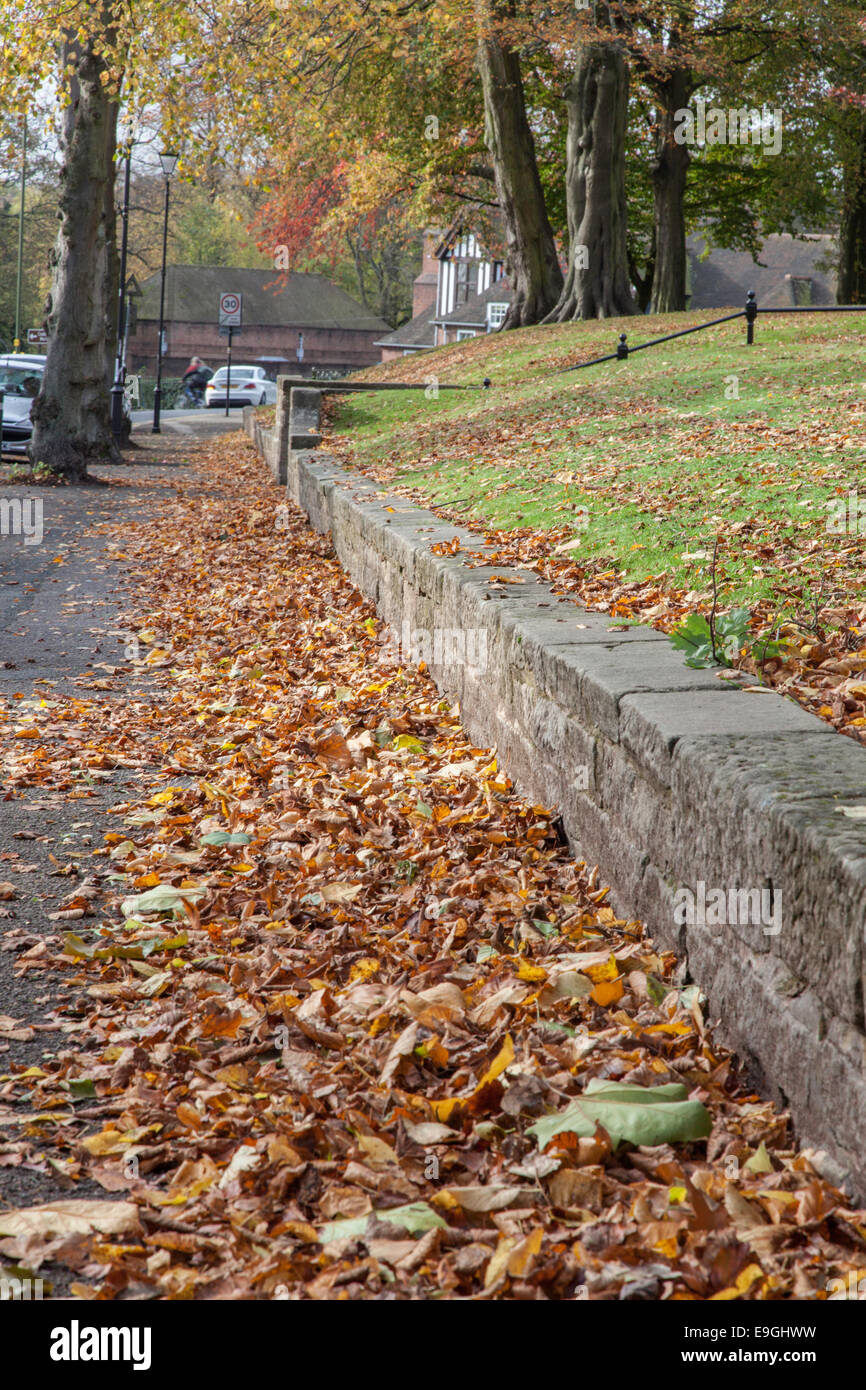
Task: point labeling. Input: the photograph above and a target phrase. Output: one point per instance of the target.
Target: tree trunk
(597, 282)
(643, 280)
(669, 170)
(71, 414)
(851, 288)
(532, 260)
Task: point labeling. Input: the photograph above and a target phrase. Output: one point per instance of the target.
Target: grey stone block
(651, 724)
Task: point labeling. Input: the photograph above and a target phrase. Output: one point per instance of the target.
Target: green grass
(663, 461)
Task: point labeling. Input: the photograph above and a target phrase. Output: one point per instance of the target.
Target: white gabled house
(460, 293)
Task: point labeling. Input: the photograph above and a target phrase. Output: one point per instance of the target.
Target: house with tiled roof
(791, 272)
(302, 320)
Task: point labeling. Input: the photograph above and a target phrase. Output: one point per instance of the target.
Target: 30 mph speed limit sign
(230, 311)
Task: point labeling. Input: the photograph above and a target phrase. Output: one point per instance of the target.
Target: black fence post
(751, 315)
(622, 348)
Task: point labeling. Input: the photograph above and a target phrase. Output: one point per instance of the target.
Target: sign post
(230, 317)
(229, 373)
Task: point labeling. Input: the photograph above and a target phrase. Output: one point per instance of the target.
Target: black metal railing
(340, 386)
(623, 350)
(749, 313)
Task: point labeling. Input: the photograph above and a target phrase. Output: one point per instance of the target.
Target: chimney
(425, 284)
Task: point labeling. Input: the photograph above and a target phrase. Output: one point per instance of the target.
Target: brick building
(339, 334)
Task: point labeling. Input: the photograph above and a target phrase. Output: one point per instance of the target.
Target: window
(463, 333)
(495, 316)
(21, 381)
(467, 280)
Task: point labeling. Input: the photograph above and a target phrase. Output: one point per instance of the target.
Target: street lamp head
(168, 159)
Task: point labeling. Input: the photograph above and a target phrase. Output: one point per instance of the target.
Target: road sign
(37, 335)
(230, 311)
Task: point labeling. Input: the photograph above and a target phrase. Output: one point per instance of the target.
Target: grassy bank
(644, 486)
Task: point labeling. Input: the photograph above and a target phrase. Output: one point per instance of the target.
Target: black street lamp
(120, 356)
(168, 162)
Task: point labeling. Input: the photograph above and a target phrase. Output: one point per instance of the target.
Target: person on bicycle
(194, 380)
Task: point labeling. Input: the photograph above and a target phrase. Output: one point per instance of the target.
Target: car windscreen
(237, 373)
(20, 381)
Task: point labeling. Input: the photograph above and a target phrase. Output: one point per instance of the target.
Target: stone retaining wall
(669, 778)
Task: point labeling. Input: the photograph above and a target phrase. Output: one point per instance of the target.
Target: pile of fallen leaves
(342, 1019)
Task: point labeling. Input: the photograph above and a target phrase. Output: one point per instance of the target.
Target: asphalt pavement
(65, 609)
(191, 424)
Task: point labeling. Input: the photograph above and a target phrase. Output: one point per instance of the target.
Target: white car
(20, 380)
(249, 386)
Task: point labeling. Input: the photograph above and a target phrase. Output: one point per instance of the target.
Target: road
(193, 424)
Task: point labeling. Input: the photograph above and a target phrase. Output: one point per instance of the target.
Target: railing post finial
(751, 315)
(622, 347)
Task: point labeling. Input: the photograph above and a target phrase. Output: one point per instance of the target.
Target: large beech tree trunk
(597, 283)
(71, 414)
(851, 288)
(669, 171)
(532, 260)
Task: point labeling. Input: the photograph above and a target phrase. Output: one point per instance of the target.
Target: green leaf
(81, 1090)
(414, 745)
(760, 1162)
(643, 1115)
(546, 928)
(695, 639)
(222, 837)
(691, 635)
(734, 625)
(656, 989)
(163, 898)
(414, 1218)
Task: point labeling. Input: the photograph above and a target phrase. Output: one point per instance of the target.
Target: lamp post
(17, 343)
(168, 161)
(120, 355)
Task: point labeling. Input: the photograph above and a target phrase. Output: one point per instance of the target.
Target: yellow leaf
(109, 1141)
(531, 972)
(602, 974)
(363, 969)
(513, 1256)
(669, 1247)
(163, 798)
(743, 1282)
(503, 1059)
(442, 1109)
